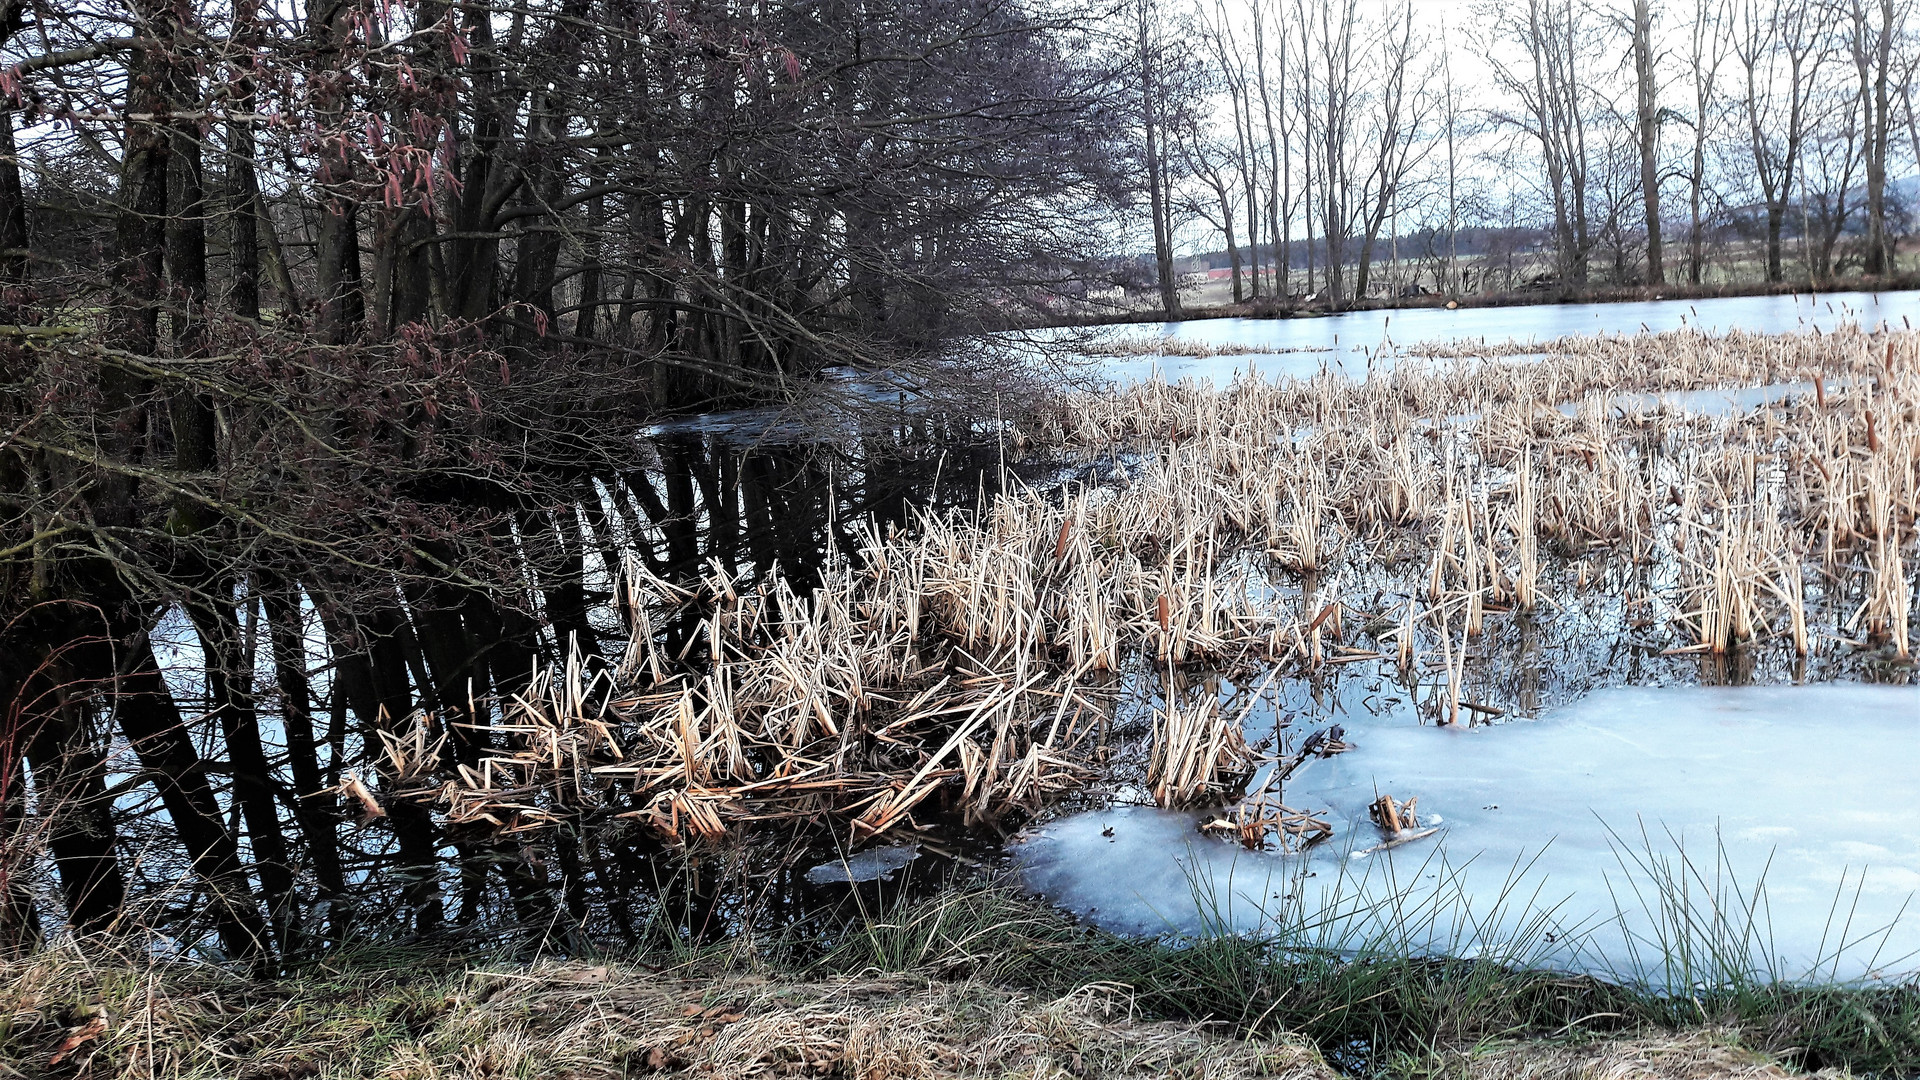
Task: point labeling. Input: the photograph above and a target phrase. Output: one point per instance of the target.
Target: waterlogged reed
(1498, 471)
(968, 667)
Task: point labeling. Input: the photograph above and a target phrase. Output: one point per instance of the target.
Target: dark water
(745, 492)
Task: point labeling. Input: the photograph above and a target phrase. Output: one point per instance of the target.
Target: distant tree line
(1641, 140)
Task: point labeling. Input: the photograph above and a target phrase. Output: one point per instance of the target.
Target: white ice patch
(1570, 819)
(873, 864)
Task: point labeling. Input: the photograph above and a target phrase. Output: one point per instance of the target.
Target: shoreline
(979, 982)
(1560, 297)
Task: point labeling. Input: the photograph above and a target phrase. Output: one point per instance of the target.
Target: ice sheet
(1810, 791)
(874, 864)
(1353, 336)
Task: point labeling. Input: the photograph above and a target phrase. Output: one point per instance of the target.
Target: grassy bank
(978, 982)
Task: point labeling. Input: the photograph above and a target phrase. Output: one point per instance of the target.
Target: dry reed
(967, 665)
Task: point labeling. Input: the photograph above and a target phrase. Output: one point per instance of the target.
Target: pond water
(1346, 341)
(1568, 824)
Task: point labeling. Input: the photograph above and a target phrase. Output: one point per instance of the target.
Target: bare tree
(1647, 127)
(1781, 48)
(1449, 282)
(1159, 187)
(1278, 149)
(1872, 27)
(1303, 104)
(1707, 49)
(1202, 156)
(1556, 41)
(1333, 39)
(1402, 108)
(1217, 30)
(1836, 150)
(1909, 75)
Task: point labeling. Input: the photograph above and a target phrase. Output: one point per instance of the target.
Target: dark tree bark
(228, 674)
(371, 675)
(69, 775)
(1647, 128)
(15, 250)
(158, 734)
(138, 271)
(314, 807)
(340, 305)
(243, 182)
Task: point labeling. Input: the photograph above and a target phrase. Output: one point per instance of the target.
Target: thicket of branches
(327, 338)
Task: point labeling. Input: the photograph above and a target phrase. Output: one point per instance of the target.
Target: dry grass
(864, 1027)
(181, 1022)
(73, 1015)
(1703, 1055)
(1497, 475)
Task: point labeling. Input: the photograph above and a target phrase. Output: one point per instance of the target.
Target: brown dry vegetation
(590, 1021)
(1704, 1055)
(106, 1017)
(967, 666)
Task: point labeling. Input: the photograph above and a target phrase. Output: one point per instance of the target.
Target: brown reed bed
(969, 668)
(1168, 345)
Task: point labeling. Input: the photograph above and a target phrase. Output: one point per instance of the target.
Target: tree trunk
(1233, 249)
(227, 676)
(140, 240)
(314, 807)
(1156, 183)
(1276, 163)
(48, 712)
(1776, 221)
(1648, 124)
(14, 240)
(14, 253)
(1878, 133)
(340, 304)
(159, 737)
(243, 184)
(371, 674)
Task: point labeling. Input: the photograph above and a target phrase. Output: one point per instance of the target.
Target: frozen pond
(1347, 343)
(1808, 792)
(1303, 345)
